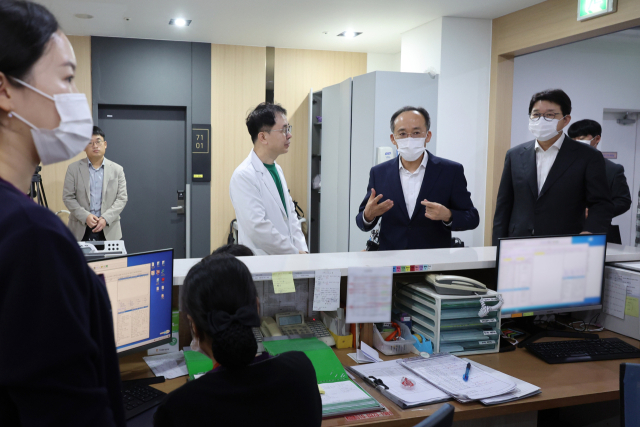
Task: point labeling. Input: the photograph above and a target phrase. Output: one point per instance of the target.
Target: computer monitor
(545, 275)
(139, 287)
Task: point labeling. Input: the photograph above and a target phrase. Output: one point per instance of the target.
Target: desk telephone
(293, 323)
(455, 285)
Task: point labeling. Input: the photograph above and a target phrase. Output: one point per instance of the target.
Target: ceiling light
(179, 22)
(83, 16)
(349, 34)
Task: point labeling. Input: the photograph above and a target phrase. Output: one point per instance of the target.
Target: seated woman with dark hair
(219, 298)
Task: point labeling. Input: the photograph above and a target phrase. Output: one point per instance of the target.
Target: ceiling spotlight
(83, 16)
(179, 22)
(349, 34)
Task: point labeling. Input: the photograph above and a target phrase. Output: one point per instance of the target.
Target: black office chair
(443, 417)
(629, 394)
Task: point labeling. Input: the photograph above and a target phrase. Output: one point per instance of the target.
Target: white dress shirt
(545, 159)
(411, 183)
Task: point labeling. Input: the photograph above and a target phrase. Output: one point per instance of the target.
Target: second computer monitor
(543, 275)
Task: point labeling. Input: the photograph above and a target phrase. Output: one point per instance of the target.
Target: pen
(466, 374)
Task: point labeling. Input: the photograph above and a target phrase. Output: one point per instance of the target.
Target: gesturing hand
(436, 211)
(373, 209)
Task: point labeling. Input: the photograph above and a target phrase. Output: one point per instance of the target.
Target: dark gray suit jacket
(620, 196)
(577, 180)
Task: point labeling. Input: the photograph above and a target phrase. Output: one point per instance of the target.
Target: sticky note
(631, 307)
(529, 313)
(320, 389)
(283, 282)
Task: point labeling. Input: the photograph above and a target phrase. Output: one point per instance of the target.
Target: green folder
(324, 360)
(197, 363)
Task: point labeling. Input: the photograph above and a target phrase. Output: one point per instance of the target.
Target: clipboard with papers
(386, 377)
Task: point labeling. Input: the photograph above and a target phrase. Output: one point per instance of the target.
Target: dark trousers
(90, 235)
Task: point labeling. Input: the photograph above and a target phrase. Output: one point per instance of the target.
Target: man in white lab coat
(267, 219)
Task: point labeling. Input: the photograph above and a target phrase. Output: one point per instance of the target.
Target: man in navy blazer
(419, 197)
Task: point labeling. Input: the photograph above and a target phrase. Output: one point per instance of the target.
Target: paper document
(170, 365)
(391, 374)
(365, 354)
(615, 293)
(326, 296)
(632, 308)
(369, 294)
(340, 392)
(283, 282)
(523, 388)
(445, 371)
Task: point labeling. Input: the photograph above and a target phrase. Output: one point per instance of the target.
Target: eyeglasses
(285, 130)
(547, 116)
(97, 143)
(415, 134)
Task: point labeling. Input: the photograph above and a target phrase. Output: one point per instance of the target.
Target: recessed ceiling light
(179, 22)
(83, 16)
(349, 34)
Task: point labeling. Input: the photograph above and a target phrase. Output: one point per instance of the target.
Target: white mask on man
(71, 136)
(410, 149)
(544, 130)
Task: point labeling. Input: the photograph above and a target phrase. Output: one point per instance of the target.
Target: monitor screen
(542, 275)
(139, 287)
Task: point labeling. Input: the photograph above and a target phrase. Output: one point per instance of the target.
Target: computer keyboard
(583, 350)
(138, 398)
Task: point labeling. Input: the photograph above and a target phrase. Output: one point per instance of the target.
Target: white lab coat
(263, 225)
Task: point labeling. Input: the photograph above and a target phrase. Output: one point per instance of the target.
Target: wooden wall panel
(296, 72)
(53, 175)
(238, 77)
(548, 24)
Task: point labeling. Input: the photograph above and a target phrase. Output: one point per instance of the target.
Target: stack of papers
(171, 365)
(365, 354)
(523, 388)
(391, 374)
(445, 371)
(344, 398)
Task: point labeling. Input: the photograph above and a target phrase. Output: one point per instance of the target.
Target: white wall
(597, 74)
(459, 49)
(383, 62)
(421, 48)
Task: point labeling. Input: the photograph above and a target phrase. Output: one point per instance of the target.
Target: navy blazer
(443, 183)
(577, 180)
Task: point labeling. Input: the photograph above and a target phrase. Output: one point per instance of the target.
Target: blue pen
(466, 374)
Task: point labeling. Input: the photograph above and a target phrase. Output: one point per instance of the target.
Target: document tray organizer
(451, 322)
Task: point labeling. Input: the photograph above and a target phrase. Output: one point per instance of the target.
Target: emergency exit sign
(588, 9)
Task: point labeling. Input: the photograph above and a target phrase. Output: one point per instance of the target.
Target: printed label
(487, 342)
(488, 299)
(488, 320)
(490, 333)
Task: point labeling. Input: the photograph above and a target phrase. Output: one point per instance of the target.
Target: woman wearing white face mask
(55, 302)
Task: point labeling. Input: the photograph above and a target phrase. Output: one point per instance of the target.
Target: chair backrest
(629, 394)
(443, 417)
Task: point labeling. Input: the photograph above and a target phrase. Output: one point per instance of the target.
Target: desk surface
(434, 259)
(562, 385)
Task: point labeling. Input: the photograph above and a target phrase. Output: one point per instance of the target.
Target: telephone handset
(455, 285)
(269, 328)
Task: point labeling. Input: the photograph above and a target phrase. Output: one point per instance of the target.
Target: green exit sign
(588, 9)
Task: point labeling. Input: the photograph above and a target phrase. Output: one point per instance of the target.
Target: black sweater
(279, 391)
(58, 364)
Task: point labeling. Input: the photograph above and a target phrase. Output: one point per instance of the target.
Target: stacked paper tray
(451, 322)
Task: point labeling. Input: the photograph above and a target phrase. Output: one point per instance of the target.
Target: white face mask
(71, 136)
(410, 149)
(586, 141)
(542, 129)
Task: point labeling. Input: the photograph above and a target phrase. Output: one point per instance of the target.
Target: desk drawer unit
(450, 321)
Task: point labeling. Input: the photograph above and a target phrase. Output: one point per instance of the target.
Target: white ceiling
(283, 23)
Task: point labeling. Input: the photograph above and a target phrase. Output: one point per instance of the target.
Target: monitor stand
(537, 332)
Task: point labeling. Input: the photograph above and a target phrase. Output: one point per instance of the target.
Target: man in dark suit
(590, 132)
(548, 183)
(419, 197)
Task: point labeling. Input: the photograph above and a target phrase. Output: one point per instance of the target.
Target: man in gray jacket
(95, 192)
